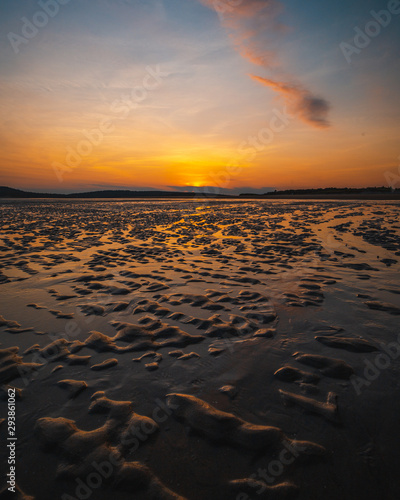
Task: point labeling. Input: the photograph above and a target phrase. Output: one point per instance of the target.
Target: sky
(238, 95)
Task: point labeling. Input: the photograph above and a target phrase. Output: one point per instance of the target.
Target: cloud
(311, 109)
(256, 31)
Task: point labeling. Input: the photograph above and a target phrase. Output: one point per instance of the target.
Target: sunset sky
(236, 94)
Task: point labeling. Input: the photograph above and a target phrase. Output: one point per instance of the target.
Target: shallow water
(245, 285)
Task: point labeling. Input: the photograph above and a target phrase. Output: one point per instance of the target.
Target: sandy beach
(200, 350)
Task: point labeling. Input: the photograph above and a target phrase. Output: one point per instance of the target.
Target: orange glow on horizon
(165, 159)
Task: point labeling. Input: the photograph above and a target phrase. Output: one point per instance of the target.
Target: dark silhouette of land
(371, 193)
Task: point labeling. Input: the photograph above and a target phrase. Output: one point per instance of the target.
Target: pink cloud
(311, 109)
(256, 30)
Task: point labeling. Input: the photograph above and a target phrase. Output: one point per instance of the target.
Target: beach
(200, 349)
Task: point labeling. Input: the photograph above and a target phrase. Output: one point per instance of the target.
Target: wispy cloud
(255, 29)
(311, 109)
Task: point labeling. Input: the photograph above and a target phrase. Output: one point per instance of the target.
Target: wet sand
(218, 350)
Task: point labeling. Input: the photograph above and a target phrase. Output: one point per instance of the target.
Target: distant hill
(7, 192)
(332, 190)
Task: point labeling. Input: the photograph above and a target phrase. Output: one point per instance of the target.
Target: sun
(196, 184)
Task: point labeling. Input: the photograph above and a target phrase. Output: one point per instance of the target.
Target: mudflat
(201, 350)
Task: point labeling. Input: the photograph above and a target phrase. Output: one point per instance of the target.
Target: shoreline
(333, 197)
